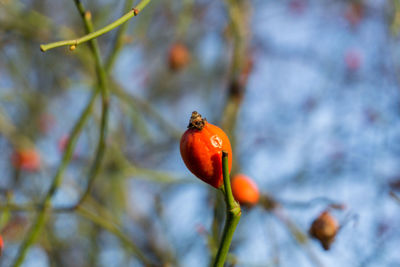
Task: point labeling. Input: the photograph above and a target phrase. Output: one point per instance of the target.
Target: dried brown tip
(196, 121)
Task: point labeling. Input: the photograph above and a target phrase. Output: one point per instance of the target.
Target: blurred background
(307, 90)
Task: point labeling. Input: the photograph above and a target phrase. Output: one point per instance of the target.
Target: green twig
(102, 83)
(233, 213)
(134, 12)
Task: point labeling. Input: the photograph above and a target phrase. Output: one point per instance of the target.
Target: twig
(109, 226)
(74, 42)
(102, 82)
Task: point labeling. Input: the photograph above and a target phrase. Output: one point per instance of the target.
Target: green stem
(233, 213)
(90, 36)
(102, 83)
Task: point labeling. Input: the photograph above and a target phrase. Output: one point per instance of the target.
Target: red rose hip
(201, 149)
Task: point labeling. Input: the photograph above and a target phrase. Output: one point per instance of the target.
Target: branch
(109, 226)
(74, 42)
(102, 83)
(40, 219)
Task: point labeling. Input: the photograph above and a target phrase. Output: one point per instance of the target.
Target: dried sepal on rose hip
(324, 228)
(245, 190)
(201, 149)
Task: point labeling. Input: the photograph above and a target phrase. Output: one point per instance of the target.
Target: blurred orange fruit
(245, 190)
(1, 245)
(178, 56)
(26, 159)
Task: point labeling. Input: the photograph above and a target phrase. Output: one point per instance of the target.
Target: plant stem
(233, 213)
(90, 36)
(102, 84)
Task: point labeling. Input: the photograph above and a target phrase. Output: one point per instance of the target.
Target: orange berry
(245, 190)
(324, 228)
(178, 56)
(1, 245)
(26, 159)
(201, 150)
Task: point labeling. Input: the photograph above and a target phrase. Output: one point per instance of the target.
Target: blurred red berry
(297, 6)
(324, 228)
(178, 56)
(245, 190)
(354, 13)
(353, 59)
(1, 245)
(27, 159)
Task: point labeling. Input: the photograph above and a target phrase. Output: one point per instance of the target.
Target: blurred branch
(145, 106)
(74, 42)
(102, 83)
(118, 42)
(41, 217)
(104, 220)
(9, 131)
(315, 201)
(238, 12)
(395, 196)
(301, 237)
(275, 208)
(109, 226)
